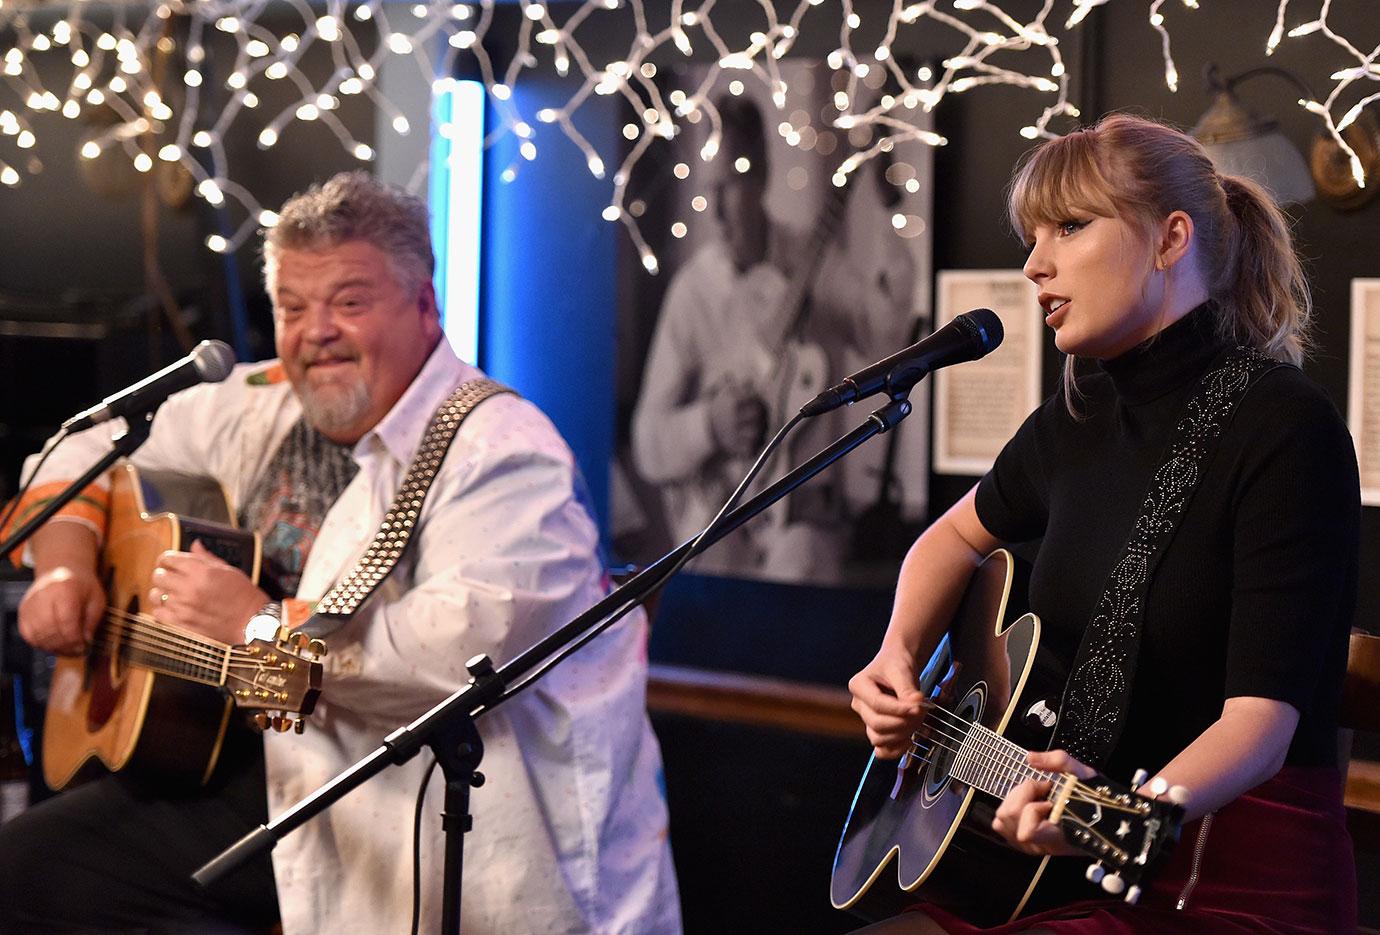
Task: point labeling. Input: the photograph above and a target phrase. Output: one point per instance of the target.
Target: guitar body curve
(126, 717)
(916, 833)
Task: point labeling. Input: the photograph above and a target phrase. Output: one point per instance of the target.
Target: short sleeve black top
(1255, 594)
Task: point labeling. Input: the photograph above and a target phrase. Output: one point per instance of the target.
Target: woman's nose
(1037, 266)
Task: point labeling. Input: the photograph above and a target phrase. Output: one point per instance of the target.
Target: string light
(112, 63)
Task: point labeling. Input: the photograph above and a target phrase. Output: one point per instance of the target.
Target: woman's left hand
(1023, 816)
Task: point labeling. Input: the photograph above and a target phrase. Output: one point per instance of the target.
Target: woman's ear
(1174, 239)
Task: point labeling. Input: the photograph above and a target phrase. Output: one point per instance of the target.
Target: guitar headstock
(1127, 833)
(279, 681)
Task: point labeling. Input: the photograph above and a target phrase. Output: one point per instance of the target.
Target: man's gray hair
(355, 206)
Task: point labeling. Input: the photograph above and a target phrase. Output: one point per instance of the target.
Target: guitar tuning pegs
(298, 640)
(1178, 795)
(317, 648)
(261, 720)
(1113, 883)
(281, 724)
(1132, 895)
(1095, 872)
(299, 726)
(1139, 778)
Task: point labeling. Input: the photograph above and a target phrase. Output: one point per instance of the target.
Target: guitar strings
(994, 754)
(210, 649)
(150, 639)
(990, 744)
(211, 676)
(147, 625)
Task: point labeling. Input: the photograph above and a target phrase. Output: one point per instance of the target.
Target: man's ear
(1174, 239)
(427, 306)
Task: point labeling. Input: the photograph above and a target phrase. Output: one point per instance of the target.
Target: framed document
(1363, 385)
(979, 405)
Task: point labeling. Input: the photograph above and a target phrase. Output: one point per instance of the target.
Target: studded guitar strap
(391, 541)
(1099, 689)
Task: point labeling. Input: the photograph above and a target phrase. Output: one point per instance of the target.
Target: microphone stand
(122, 446)
(449, 728)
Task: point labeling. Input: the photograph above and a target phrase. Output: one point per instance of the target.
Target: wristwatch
(265, 623)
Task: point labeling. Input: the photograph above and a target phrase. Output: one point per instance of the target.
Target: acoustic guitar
(156, 698)
(920, 828)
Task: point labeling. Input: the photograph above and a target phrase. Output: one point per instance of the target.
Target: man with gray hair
(570, 829)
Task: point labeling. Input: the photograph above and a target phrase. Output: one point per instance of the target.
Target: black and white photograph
(791, 277)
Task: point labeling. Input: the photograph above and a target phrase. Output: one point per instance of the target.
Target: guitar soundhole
(947, 733)
(106, 673)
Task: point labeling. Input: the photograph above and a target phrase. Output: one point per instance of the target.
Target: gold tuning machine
(301, 641)
(261, 720)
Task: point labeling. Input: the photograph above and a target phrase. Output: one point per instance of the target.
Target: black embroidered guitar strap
(1099, 688)
(395, 532)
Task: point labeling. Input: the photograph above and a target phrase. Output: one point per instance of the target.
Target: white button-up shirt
(570, 830)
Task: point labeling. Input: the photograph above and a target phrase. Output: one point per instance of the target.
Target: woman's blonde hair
(1142, 171)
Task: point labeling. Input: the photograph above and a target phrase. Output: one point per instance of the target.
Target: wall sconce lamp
(1242, 143)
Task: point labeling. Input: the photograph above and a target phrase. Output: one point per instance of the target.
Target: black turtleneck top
(1255, 594)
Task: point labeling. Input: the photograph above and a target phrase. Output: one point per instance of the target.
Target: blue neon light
(456, 195)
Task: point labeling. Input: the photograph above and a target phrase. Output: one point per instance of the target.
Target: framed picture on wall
(1363, 385)
(979, 405)
(775, 282)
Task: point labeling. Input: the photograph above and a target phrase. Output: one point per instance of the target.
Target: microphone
(969, 336)
(209, 362)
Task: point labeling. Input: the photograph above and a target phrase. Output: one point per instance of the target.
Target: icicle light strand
(108, 55)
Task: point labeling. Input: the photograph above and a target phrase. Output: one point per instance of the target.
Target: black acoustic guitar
(920, 827)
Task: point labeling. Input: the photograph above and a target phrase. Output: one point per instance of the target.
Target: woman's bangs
(1060, 179)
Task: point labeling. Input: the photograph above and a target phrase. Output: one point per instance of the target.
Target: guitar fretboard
(141, 641)
(988, 761)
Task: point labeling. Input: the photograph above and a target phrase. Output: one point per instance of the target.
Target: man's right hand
(887, 698)
(737, 419)
(66, 602)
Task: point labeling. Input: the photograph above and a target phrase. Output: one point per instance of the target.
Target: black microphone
(209, 362)
(969, 336)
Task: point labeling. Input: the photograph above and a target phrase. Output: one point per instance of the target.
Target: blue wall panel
(549, 292)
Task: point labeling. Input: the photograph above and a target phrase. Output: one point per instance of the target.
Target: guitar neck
(988, 761)
(142, 641)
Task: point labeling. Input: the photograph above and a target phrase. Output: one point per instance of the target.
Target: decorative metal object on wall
(1332, 167)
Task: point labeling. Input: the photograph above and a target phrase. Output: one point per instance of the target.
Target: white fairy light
(991, 46)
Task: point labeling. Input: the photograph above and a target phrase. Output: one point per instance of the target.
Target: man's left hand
(1023, 816)
(201, 592)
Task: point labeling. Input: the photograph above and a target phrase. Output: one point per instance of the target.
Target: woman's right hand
(887, 698)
